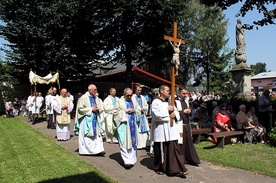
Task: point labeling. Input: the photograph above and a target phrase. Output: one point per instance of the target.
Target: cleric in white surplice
(63, 106)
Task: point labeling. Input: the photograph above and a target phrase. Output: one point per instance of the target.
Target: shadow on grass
(211, 147)
(83, 178)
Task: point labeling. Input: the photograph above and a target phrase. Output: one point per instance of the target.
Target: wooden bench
(197, 133)
(221, 136)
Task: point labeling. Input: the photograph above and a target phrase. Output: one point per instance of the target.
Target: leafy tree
(70, 36)
(206, 53)
(42, 36)
(258, 68)
(67, 35)
(7, 82)
(269, 15)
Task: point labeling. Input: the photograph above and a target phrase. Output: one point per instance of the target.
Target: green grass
(28, 156)
(259, 158)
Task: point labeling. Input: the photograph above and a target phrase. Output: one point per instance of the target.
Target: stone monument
(241, 73)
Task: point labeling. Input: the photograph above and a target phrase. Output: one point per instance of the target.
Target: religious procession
(140, 120)
(134, 101)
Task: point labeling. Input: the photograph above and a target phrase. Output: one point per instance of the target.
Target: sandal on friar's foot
(159, 173)
(182, 174)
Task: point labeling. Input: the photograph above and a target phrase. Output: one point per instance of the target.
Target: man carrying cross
(168, 157)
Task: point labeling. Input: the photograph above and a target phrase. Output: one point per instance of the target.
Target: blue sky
(260, 44)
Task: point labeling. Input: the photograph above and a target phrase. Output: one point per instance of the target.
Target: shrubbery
(272, 135)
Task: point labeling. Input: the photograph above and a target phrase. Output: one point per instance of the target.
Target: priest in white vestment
(88, 123)
(109, 105)
(143, 125)
(63, 105)
(126, 113)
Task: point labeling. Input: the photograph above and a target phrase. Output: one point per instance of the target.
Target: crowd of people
(255, 122)
(138, 120)
(15, 107)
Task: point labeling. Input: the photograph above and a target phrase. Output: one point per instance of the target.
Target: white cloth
(36, 104)
(89, 145)
(40, 100)
(108, 117)
(162, 131)
(47, 103)
(129, 156)
(71, 97)
(143, 137)
(34, 78)
(121, 119)
(30, 103)
(180, 121)
(49, 99)
(128, 153)
(62, 130)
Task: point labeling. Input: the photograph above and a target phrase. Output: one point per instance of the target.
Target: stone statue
(241, 73)
(175, 58)
(240, 56)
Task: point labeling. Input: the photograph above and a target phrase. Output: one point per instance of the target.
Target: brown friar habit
(188, 149)
(173, 160)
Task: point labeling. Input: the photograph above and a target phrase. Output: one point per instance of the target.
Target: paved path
(112, 165)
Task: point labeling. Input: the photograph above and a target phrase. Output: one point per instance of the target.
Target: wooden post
(173, 39)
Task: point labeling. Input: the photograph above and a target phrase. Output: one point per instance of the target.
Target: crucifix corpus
(175, 60)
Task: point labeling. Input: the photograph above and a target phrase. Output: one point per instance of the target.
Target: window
(259, 81)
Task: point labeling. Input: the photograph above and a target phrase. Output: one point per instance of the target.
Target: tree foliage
(70, 36)
(7, 82)
(269, 15)
(67, 35)
(258, 68)
(46, 36)
(206, 55)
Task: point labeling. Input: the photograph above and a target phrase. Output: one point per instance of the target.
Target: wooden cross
(175, 40)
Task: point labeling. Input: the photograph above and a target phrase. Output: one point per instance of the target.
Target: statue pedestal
(241, 75)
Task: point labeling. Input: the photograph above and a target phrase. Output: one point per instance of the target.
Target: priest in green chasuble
(126, 115)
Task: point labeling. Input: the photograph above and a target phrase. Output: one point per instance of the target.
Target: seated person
(16, 106)
(222, 121)
(194, 109)
(216, 105)
(244, 123)
(202, 118)
(9, 110)
(254, 121)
